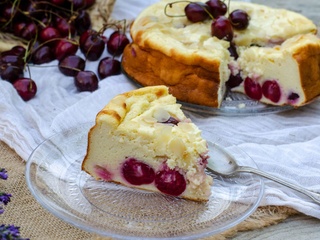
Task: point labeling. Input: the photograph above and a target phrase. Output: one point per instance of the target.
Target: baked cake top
(267, 26)
(152, 116)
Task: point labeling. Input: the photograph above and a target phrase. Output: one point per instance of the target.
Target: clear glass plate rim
(81, 225)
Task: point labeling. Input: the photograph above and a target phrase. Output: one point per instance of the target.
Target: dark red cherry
(217, 8)
(222, 28)
(26, 88)
(65, 27)
(29, 31)
(42, 54)
(65, 47)
(234, 81)
(170, 181)
(18, 50)
(85, 35)
(7, 58)
(71, 65)
(49, 35)
(137, 172)
(92, 47)
(11, 72)
(239, 19)
(117, 42)
(252, 89)
(233, 50)
(271, 90)
(82, 22)
(108, 67)
(18, 27)
(196, 11)
(293, 97)
(86, 81)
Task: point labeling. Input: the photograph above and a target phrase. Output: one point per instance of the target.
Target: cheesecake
(142, 139)
(277, 58)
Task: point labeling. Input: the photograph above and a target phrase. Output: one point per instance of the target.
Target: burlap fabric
(100, 14)
(37, 223)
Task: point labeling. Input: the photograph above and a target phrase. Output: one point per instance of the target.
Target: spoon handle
(313, 195)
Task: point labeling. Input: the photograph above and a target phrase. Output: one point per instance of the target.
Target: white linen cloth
(284, 144)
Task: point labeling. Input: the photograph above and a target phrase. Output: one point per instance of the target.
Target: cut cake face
(142, 139)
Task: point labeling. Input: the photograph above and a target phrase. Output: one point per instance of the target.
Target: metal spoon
(226, 165)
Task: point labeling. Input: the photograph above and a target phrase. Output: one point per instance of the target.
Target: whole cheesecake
(277, 56)
(142, 139)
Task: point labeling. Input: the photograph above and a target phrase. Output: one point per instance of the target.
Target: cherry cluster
(221, 26)
(166, 180)
(56, 30)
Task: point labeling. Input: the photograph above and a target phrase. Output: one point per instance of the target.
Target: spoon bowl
(225, 165)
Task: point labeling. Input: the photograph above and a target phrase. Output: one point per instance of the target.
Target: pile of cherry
(221, 26)
(56, 30)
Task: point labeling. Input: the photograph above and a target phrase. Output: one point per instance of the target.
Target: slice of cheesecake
(286, 74)
(142, 139)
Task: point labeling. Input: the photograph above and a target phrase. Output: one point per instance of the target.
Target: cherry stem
(12, 10)
(170, 5)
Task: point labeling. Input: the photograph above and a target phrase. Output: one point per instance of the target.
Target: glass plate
(234, 104)
(55, 179)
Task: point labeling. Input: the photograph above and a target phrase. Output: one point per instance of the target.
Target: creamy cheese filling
(271, 64)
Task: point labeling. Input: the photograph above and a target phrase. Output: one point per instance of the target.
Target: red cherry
(170, 181)
(66, 28)
(26, 88)
(11, 72)
(43, 54)
(85, 35)
(103, 173)
(29, 31)
(50, 35)
(83, 22)
(271, 90)
(71, 65)
(234, 81)
(252, 89)
(108, 67)
(64, 48)
(92, 47)
(18, 50)
(137, 172)
(217, 8)
(117, 42)
(196, 11)
(293, 97)
(239, 19)
(222, 28)
(86, 81)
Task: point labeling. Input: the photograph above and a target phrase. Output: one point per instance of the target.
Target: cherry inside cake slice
(142, 139)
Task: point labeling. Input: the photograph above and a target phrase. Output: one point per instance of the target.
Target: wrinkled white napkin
(284, 144)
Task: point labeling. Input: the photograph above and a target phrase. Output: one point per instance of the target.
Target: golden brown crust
(308, 59)
(188, 83)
